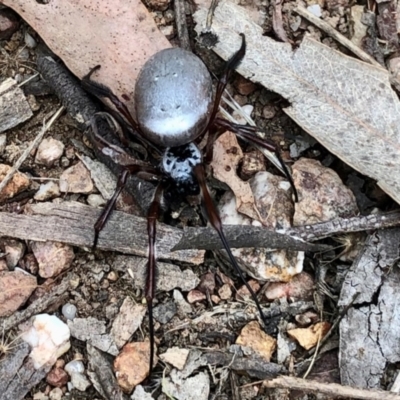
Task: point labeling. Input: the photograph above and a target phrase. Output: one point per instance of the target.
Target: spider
(174, 110)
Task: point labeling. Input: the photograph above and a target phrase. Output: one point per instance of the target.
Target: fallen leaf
(254, 337)
(226, 157)
(120, 36)
(308, 337)
(176, 357)
(347, 105)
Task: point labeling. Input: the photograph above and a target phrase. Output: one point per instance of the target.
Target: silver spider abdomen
(173, 97)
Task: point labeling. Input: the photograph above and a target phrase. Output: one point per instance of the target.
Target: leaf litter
(346, 104)
(305, 113)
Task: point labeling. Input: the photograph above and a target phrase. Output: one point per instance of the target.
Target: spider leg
(152, 216)
(99, 90)
(230, 66)
(223, 81)
(221, 125)
(215, 221)
(122, 179)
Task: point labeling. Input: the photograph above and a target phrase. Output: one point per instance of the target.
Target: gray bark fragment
(14, 108)
(369, 334)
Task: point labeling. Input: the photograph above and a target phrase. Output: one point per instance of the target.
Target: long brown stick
(331, 389)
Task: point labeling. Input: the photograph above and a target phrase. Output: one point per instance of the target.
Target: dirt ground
(201, 309)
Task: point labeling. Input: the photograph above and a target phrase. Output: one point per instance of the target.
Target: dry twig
(331, 389)
(321, 24)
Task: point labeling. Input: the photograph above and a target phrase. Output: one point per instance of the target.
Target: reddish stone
(57, 377)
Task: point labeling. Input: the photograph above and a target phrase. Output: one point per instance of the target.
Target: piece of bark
(339, 226)
(14, 108)
(25, 378)
(255, 367)
(11, 363)
(73, 223)
(332, 390)
(242, 236)
(369, 338)
(204, 237)
(101, 374)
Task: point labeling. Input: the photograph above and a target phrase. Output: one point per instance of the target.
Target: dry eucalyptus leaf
(309, 337)
(226, 157)
(254, 337)
(344, 103)
(119, 35)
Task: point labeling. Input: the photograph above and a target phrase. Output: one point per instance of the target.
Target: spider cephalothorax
(178, 164)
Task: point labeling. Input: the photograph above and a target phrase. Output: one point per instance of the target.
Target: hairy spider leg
(217, 126)
(121, 183)
(230, 66)
(152, 216)
(101, 91)
(215, 221)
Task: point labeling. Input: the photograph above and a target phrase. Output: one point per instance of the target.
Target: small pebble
(315, 9)
(69, 311)
(14, 252)
(79, 381)
(64, 162)
(269, 112)
(112, 276)
(56, 394)
(96, 200)
(8, 23)
(30, 41)
(18, 183)
(195, 296)
(215, 299)
(168, 31)
(163, 313)
(35, 106)
(3, 141)
(15, 288)
(225, 292)
(131, 366)
(49, 151)
(52, 257)
(47, 191)
(243, 293)
(48, 337)
(57, 377)
(74, 366)
(207, 283)
(76, 179)
(240, 119)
